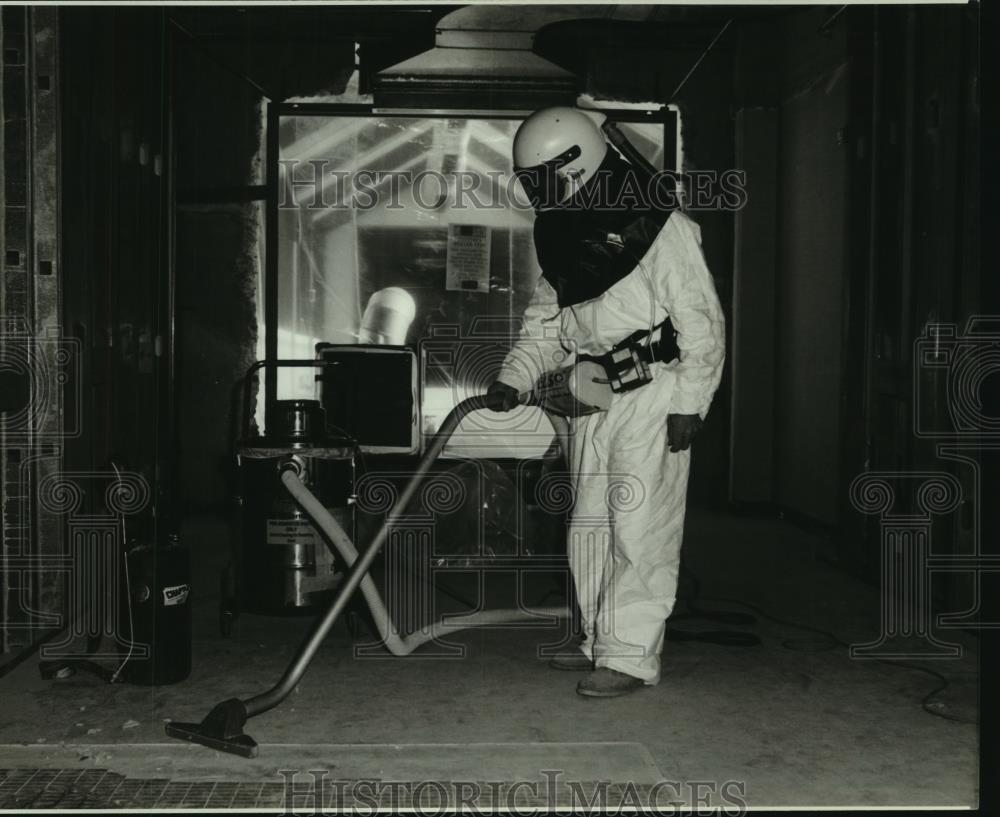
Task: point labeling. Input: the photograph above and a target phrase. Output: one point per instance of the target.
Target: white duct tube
(388, 632)
(387, 317)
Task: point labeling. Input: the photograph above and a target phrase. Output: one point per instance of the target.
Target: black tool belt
(628, 362)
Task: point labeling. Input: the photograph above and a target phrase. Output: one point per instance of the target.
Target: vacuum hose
(359, 567)
(386, 628)
(222, 728)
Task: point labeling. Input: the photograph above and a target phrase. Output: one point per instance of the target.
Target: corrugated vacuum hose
(386, 628)
(222, 728)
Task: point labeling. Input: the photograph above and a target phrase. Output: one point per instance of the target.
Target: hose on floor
(389, 633)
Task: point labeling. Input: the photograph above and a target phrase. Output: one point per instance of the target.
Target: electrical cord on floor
(727, 638)
(829, 641)
(59, 667)
(27, 652)
(128, 587)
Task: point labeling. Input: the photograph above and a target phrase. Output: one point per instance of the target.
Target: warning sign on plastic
(291, 532)
(468, 262)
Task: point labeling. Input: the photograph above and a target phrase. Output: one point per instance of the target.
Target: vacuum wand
(222, 728)
(275, 695)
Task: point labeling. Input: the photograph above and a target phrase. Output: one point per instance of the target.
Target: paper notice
(468, 264)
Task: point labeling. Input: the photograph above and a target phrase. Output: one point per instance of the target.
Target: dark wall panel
(814, 151)
(753, 326)
(113, 175)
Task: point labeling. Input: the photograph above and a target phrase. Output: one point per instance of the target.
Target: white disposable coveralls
(626, 525)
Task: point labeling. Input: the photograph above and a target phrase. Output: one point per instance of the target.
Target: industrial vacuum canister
(158, 614)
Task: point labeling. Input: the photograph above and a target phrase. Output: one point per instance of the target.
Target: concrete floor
(792, 728)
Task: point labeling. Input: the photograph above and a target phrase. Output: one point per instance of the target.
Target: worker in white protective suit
(610, 275)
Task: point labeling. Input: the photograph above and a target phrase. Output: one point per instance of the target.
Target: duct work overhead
(483, 60)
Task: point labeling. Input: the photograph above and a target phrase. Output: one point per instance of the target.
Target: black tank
(158, 615)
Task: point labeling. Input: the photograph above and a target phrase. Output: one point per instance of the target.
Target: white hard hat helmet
(556, 152)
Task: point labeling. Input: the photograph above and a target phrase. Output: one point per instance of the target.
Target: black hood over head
(597, 237)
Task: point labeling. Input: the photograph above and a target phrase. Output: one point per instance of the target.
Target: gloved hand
(501, 397)
(681, 431)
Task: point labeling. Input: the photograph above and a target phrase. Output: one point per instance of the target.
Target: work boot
(572, 661)
(608, 683)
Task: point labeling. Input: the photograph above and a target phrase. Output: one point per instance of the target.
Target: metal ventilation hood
(482, 61)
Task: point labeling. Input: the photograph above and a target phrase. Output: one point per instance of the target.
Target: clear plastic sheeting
(429, 205)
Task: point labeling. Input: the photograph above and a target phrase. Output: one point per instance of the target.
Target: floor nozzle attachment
(221, 729)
